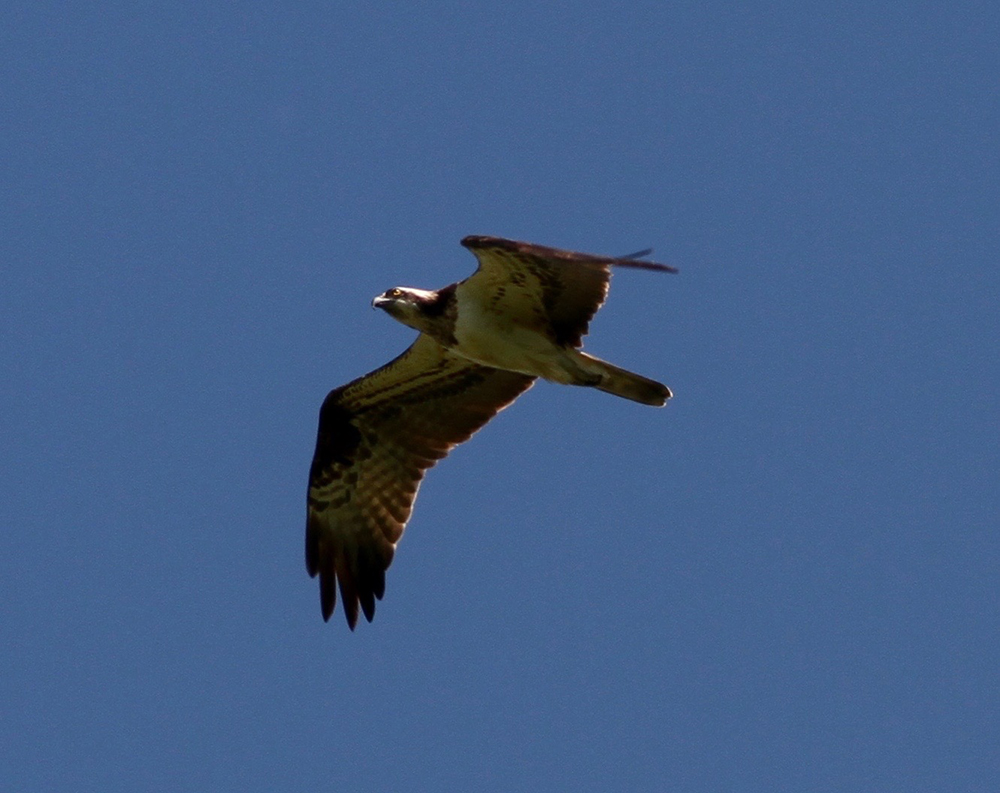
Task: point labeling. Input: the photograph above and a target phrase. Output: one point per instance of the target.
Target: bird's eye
(395, 292)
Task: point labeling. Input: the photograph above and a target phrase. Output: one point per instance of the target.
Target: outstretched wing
(543, 286)
(377, 436)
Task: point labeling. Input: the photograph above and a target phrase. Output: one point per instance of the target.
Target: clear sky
(786, 580)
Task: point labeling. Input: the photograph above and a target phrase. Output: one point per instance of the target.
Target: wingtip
(368, 605)
(327, 593)
(637, 259)
(639, 264)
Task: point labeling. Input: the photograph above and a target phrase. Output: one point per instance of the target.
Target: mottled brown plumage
(572, 285)
(482, 342)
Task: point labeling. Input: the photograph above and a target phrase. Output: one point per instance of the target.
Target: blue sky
(784, 581)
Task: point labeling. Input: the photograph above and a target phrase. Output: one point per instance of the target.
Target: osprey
(482, 342)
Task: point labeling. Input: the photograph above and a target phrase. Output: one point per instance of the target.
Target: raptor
(482, 342)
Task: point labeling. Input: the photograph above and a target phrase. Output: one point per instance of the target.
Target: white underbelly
(485, 340)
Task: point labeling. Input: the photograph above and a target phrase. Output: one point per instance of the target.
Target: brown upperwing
(562, 289)
(377, 436)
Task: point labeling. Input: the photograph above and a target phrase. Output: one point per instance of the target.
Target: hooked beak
(380, 301)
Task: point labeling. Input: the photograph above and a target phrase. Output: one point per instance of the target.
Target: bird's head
(413, 307)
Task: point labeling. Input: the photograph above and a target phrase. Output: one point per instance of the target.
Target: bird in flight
(483, 341)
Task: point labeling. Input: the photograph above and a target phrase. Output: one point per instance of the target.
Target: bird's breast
(496, 340)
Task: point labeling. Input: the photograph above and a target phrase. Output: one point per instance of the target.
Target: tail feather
(623, 383)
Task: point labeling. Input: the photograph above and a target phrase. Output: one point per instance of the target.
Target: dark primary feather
(638, 254)
(377, 436)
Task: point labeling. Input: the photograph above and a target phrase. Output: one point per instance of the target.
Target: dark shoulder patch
(441, 303)
(474, 241)
(338, 437)
(478, 241)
